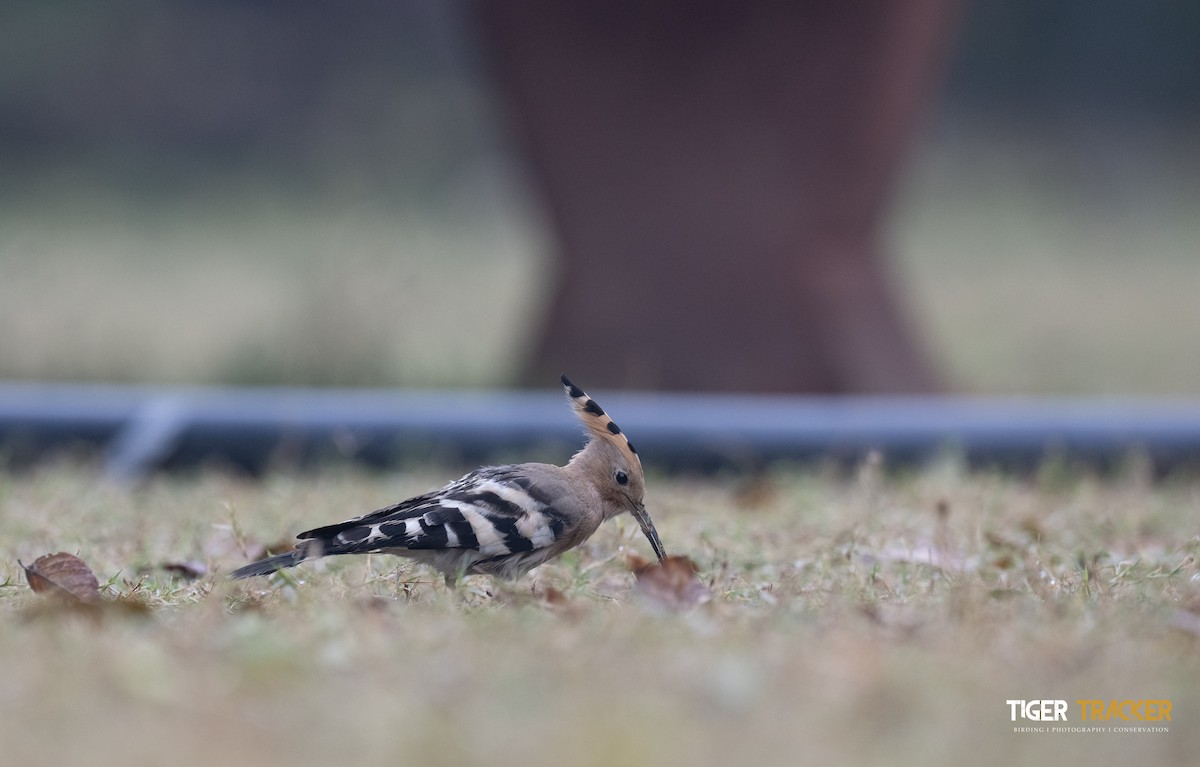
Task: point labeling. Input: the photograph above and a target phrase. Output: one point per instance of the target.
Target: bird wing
(396, 511)
(495, 511)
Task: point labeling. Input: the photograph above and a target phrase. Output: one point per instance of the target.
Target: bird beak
(643, 519)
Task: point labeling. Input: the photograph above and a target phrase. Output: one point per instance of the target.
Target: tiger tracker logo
(1092, 715)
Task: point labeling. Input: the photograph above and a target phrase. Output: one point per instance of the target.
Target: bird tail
(269, 565)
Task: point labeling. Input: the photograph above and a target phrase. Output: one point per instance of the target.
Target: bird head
(611, 464)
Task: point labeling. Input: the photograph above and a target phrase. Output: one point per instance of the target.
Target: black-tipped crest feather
(598, 423)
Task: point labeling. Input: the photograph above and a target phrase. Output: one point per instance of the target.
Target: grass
(874, 618)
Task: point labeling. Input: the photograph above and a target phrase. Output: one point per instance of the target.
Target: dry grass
(872, 619)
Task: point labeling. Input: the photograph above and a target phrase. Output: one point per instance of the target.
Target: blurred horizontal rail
(143, 429)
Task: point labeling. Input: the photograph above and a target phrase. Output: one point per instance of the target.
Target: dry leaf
(63, 575)
(671, 584)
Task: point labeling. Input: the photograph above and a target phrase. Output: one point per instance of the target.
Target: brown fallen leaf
(669, 585)
(63, 575)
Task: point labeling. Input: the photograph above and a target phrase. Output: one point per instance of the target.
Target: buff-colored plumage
(499, 520)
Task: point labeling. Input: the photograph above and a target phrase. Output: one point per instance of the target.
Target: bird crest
(598, 423)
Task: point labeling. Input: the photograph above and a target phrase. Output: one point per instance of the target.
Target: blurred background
(249, 192)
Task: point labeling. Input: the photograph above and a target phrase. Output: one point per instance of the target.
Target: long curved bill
(647, 525)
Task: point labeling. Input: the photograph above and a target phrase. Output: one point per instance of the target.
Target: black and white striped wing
(495, 511)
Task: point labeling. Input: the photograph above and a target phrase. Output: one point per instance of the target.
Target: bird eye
(622, 478)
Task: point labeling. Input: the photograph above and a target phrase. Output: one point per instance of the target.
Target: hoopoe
(498, 520)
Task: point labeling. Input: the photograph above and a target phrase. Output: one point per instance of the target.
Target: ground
(869, 617)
